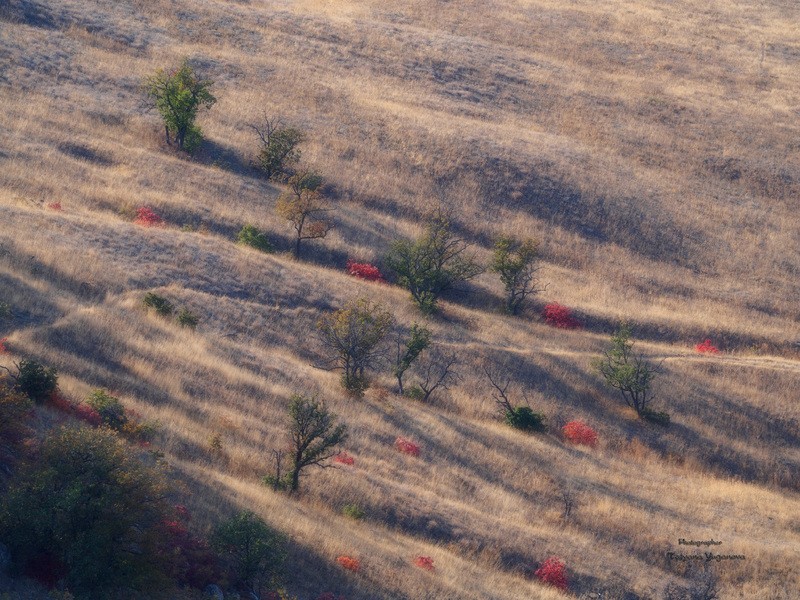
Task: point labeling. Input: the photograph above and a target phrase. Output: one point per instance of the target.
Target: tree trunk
(166, 132)
(297, 248)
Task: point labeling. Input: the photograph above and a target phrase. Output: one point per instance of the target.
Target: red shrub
(554, 572)
(558, 315)
(706, 347)
(54, 206)
(188, 558)
(578, 432)
(3, 348)
(406, 446)
(147, 218)
(86, 413)
(424, 562)
(349, 563)
(364, 271)
(343, 458)
(59, 402)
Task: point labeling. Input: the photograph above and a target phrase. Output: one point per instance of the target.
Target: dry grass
(652, 149)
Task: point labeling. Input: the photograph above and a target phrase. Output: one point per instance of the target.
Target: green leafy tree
(313, 436)
(179, 95)
(88, 512)
(516, 264)
(408, 351)
(254, 551)
(353, 336)
(304, 206)
(35, 380)
(631, 374)
(110, 409)
(432, 264)
(279, 150)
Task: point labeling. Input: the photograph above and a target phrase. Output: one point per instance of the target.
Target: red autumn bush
(706, 347)
(553, 572)
(406, 446)
(3, 348)
(578, 432)
(349, 563)
(54, 206)
(364, 271)
(424, 562)
(558, 315)
(189, 559)
(86, 413)
(147, 218)
(343, 458)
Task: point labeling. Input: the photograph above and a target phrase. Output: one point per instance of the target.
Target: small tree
(254, 551)
(35, 380)
(439, 373)
(631, 374)
(303, 205)
(516, 264)
(518, 417)
(179, 95)
(408, 351)
(432, 264)
(279, 149)
(353, 335)
(313, 436)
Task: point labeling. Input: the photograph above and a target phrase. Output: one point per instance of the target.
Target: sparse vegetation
(178, 95)
(187, 318)
(353, 337)
(434, 263)
(158, 303)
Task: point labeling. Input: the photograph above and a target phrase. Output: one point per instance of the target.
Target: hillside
(653, 150)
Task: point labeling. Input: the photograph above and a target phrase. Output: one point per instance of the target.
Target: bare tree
(519, 417)
(439, 374)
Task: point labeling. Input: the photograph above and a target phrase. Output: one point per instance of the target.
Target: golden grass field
(654, 150)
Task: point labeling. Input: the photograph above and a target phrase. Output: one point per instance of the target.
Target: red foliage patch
(3, 348)
(364, 271)
(349, 563)
(706, 347)
(343, 458)
(54, 206)
(554, 572)
(424, 562)
(579, 432)
(558, 315)
(86, 413)
(147, 218)
(406, 446)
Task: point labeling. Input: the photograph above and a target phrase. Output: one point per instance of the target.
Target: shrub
(657, 417)
(255, 553)
(424, 562)
(432, 264)
(109, 408)
(349, 563)
(80, 508)
(364, 271)
(251, 236)
(147, 218)
(187, 318)
(54, 206)
(87, 414)
(179, 95)
(523, 417)
(3, 346)
(354, 511)
(631, 374)
(35, 380)
(414, 392)
(553, 572)
(516, 264)
(579, 432)
(706, 347)
(406, 446)
(279, 148)
(161, 305)
(353, 336)
(343, 458)
(14, 417)
(558, 315)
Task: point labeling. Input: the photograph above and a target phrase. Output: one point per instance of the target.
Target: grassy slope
(653, 150)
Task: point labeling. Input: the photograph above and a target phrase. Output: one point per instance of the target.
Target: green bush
(354, 511)
(186, 318)
(657, 417)
(250, 236)
(88, 512)
(109, 408)
(414, 392)
(161, 305)
(36, 381)
(523, 417)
